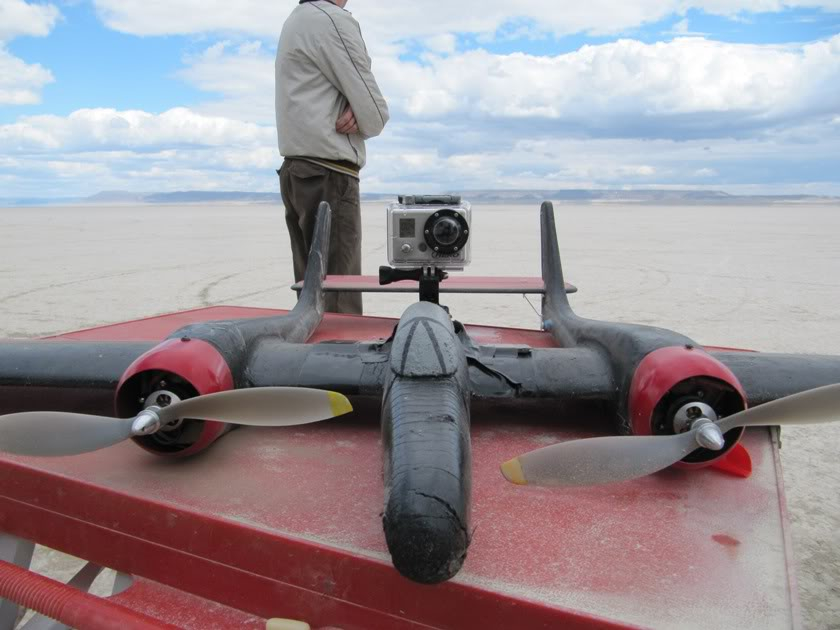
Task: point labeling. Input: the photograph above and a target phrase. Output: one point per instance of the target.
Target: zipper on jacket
(353, 147)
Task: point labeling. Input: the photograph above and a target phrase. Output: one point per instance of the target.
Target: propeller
(609, 459)
(51, 433)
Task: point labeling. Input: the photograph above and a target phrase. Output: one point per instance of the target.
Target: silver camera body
(429, 231)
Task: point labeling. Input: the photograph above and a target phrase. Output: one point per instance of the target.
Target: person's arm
(345, 62)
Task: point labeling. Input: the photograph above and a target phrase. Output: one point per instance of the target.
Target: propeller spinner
(49, 433)
(609, 459)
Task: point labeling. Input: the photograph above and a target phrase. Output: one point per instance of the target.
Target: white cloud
(642, 170)
(92, 150)
(443, 43)
(100, 149)
(681, 26)
(681, 29)
(399, 19)
(161, 17)
(70, 169)
(673, 113)
(97, 129)
(552, 160)
(688, 87)
(243, 76)
(665, 114)
(20, 82)
(21, 18)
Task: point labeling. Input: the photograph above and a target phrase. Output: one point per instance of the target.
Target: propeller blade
(261, 406)
(605, 460)
(599, 460)
(52, 433)
(814, 406)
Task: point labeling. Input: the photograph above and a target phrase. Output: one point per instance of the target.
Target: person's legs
(304, 186)
(345, 243)
(298, 240)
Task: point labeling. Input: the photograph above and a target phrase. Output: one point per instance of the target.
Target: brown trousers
(303, 186)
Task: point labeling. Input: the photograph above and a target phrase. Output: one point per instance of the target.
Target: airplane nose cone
(710, 437)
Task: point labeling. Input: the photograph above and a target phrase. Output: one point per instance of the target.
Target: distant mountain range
(673, 197)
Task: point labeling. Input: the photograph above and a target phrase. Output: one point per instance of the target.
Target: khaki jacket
(322, 64)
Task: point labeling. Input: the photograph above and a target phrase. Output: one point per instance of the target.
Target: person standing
(327, 104)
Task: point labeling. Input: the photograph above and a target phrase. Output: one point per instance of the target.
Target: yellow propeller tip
(339, 404)
(512, 470)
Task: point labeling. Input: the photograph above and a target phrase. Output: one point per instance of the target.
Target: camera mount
(429, 278)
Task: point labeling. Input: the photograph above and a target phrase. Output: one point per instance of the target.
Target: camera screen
(406, 228)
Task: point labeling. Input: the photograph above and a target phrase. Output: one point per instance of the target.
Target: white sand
(765, 278)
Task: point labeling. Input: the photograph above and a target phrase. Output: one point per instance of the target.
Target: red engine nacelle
(669, 378)
(181, 368)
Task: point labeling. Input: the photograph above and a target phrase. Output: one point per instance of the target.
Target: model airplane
(681, 402)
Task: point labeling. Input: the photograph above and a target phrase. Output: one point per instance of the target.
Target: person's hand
(346, 123)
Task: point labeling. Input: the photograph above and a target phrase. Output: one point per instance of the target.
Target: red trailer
(286, 523)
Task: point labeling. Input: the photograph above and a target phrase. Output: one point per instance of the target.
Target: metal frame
(18, 552)
(38, 592)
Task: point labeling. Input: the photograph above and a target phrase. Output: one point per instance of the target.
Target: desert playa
(763, 277)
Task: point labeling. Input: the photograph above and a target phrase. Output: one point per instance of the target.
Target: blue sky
(147, 95)
(95, 66)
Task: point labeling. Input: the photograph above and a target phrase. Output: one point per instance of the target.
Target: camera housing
(429, 231)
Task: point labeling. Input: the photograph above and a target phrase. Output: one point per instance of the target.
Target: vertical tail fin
(307, 314)
(312, 294)
(552, 269)
(556, 312)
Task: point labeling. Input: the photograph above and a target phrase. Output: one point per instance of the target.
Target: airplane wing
(57, 375)
(82, 376)
(768, 376)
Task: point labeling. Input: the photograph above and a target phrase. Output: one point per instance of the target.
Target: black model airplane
(678, 401)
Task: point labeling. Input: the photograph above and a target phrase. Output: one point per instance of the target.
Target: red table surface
(286, 523)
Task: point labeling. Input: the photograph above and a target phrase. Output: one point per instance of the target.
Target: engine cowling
(668, 379)
(176, 369)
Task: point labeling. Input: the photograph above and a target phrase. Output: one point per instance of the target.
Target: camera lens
(446, 231)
